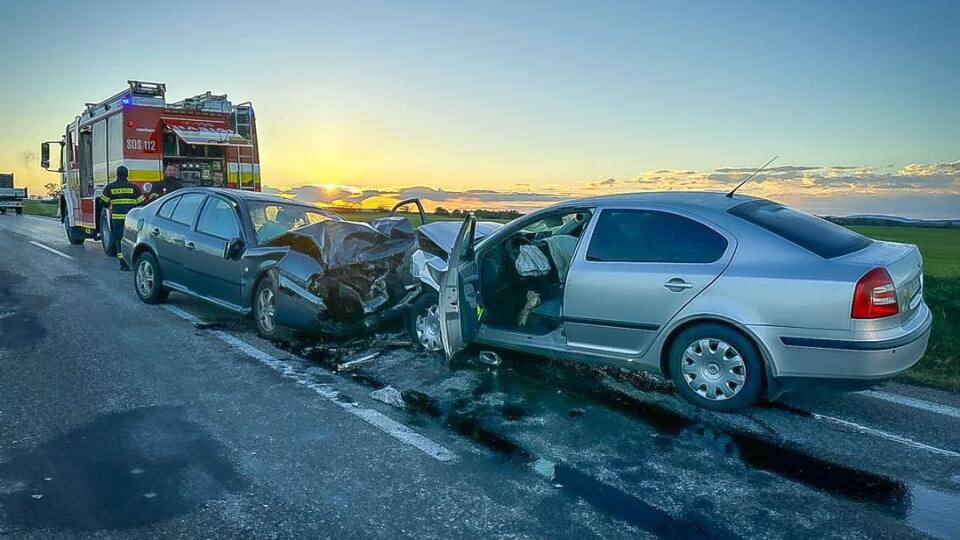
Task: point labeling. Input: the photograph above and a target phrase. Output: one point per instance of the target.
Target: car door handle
(190, 245)
(677, 285)
(155, 231)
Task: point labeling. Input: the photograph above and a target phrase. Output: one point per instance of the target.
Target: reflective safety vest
(120, 196)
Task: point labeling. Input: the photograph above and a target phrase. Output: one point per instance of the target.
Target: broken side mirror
(233, 249)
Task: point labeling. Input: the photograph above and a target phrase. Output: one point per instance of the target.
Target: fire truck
(211, 140)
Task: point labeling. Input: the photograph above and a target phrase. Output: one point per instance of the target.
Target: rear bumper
(854, 359)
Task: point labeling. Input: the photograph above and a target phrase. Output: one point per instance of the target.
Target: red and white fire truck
(213, 141)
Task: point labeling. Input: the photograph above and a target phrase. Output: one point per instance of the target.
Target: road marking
(373, 417)
(921, 404)
(889, 436)
(51, 250)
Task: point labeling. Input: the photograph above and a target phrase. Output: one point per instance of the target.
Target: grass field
(941, 261)
(40, 208)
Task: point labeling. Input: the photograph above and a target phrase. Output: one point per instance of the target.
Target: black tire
(273, 331)
(418, 308)
(713, 371)
(154, 292)
(19, 211)
(109, 249)
(75, 235)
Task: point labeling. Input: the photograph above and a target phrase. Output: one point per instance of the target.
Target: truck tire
(108, 248)
(75, 235)
(148, 280)
(19, 211)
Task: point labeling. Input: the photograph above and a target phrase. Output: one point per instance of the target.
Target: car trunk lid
(904, 264)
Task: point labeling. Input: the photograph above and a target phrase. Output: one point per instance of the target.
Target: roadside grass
(940, 367)
(38, 208)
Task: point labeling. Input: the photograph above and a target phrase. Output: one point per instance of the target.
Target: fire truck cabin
(211, 140)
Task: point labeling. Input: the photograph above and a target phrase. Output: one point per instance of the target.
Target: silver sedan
(733, 298)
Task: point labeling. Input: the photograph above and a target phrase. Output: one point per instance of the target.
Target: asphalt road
(119, 419)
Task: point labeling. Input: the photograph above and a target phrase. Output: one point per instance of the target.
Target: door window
(166, 211)
(219, 219)
(186, 211)
(653, 236)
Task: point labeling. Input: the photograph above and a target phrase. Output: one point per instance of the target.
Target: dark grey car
(292, 265)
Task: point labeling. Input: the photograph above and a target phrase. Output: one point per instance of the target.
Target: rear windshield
(814, 234)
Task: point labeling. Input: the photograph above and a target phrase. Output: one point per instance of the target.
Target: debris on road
(389, 395)
(37, 496)
(489, 358)
(357, 362)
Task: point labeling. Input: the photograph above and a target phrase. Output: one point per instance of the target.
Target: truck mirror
(45, 155)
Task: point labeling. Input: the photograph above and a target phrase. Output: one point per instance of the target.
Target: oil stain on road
(122, 470)
(20, 327)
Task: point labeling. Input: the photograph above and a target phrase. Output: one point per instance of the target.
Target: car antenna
(747, 179)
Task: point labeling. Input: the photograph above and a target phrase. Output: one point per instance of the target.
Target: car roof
(248, 195)
(699, 199)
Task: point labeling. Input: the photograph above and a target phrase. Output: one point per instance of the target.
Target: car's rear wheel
(108, 248)
(716, 367)
(265, 311)
(75, 235)
(148, 280)
(423, 322)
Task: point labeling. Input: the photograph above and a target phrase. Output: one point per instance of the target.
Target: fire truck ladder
(242, 121)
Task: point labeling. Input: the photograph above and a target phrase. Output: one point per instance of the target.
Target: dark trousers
(116, 233)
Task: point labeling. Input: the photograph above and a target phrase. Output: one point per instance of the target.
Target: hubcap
(266, 307)
(713, 369)
(145, 278)
(428, 328)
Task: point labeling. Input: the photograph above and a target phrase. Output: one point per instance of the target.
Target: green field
(40, 208)
(941, 261)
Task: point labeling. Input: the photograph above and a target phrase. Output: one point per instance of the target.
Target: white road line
(889, 436)
(51, 250)
(929, 406)
(382, 422)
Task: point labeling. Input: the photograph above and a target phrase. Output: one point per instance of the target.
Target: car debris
(389, 395)
(357, 362)
(489, 358)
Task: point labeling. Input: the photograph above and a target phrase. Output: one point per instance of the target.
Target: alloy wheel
(713, 369)
(266, 309)
(146, 278)
(428, 328)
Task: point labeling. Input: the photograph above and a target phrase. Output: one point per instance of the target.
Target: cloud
(813, 187)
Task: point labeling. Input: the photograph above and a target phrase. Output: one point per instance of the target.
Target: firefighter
(120, 196)
(170, 183)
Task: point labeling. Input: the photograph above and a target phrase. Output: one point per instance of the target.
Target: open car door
(460, 292)
(414, 201)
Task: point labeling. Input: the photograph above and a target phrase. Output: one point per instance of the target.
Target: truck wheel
(19, 211)
(74, 234)
(423, 321)
(148, 280)
(3, 211)
(716, 367)
(265, 311)
(108, 248)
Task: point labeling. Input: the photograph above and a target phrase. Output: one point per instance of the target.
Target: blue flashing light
(127, 101)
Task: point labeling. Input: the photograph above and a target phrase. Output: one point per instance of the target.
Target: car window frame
(175, 200)
(724, 256)
(508, 229)
(203, 206)
(192, 226)
(309, 208)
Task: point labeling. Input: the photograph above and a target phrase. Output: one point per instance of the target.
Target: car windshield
(271, 220)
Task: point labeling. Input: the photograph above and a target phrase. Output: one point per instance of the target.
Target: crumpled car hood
(353, 268)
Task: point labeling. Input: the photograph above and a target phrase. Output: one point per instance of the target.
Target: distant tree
(457, 213)
(441, 211)
(53, 190)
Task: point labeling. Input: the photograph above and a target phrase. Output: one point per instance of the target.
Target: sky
(520, 104)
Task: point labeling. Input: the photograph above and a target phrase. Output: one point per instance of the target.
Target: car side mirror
(233, 249)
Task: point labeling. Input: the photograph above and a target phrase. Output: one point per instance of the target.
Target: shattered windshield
(271, 220)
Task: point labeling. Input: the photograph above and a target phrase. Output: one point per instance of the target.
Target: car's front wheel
(716, 367)
(148, 280)
(265, 311)
(423, 322)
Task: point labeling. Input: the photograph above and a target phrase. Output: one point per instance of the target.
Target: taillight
(875, 296)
